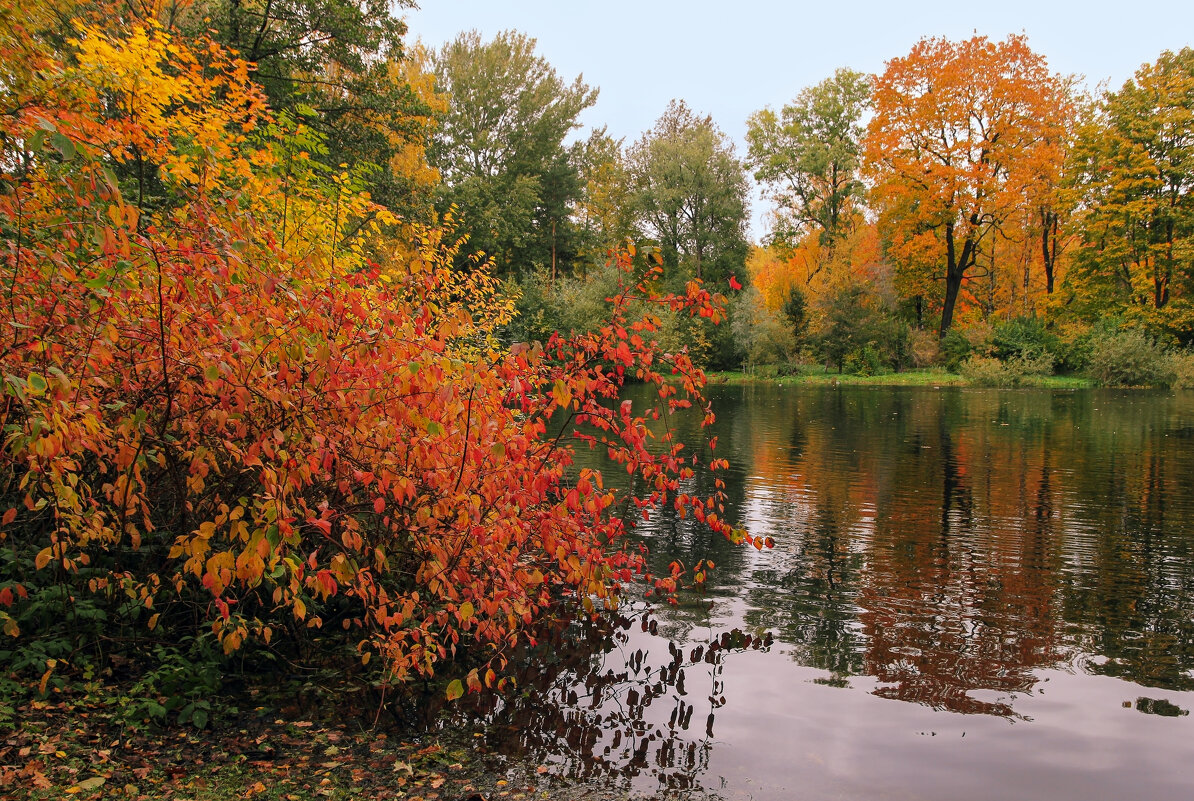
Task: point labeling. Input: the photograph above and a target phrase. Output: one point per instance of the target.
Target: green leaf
(15, 386)
(455, 690)
(63, 145)
(37, 383)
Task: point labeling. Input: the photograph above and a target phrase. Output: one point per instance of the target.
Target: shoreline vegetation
(915, 377)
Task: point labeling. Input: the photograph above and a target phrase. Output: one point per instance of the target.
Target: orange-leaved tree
(227, 416)
(963, 137)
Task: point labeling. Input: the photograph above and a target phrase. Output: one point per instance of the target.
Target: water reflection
(1014, 556)
(612, 707)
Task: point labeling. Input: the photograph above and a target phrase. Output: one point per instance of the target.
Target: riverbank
(74, 748)
(818, 376)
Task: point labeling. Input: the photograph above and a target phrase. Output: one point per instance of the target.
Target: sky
(732, 58)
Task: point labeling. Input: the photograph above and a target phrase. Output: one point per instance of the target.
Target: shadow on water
(946, 561)
(601, 701)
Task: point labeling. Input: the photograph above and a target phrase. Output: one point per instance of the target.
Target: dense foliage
(250, 411)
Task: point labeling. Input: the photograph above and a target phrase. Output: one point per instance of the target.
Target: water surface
(975, 594)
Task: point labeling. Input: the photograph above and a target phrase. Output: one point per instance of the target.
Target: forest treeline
(966, 207)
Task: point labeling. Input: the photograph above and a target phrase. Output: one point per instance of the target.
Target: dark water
(973, 594)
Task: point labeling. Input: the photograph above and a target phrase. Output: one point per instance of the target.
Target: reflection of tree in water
(1129, 597)
(1009, 531)
(950, 605)
(616, 704)
(811, 460)
(811, 604)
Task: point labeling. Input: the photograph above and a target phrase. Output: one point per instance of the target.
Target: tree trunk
(955, 272)
(234, 23)
(1049, 231)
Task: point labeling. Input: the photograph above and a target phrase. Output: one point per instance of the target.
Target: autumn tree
(501, 151)
(808, 157)
(691, 193)
(1134, 170)
(343, 64)
(961, 135)
(225, 421)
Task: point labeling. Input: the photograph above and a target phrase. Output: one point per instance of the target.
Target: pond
(975, 594)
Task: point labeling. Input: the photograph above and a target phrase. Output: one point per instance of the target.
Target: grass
(919, 377)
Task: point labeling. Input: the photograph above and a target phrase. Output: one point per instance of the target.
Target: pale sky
(732, 58)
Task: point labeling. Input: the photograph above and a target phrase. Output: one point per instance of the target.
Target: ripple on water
(979, 594)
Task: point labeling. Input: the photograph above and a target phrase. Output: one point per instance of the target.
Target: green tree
(859, 330)
(500, 148)
(690, 192)
(795, 311)
(762, 335)
(338, 62)
(808, 156)
(1134, 170)
(604, 215)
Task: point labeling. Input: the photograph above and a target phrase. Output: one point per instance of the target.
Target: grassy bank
(932, 377)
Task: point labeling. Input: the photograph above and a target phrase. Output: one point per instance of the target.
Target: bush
(1024, 336)
(1182, 367)
(266, 445)
(1129, 359)
(988, 371)
(863, 361)
(955, 349)
(925, 347)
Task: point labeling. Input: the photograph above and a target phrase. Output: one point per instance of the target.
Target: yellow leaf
(561, 393)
